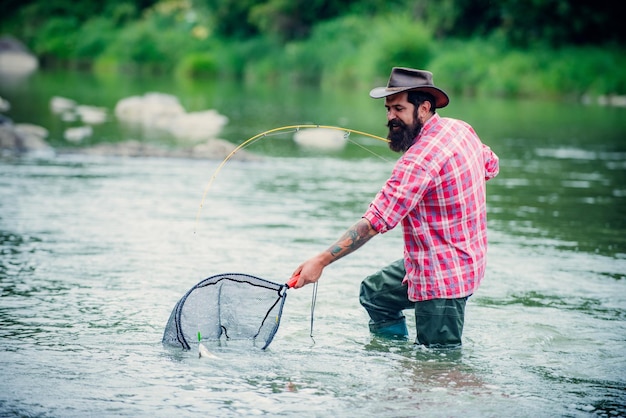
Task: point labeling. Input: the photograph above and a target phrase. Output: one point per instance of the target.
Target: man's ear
(423, 110)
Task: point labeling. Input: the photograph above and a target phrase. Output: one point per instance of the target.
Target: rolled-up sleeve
(492, 163)
(373, 216)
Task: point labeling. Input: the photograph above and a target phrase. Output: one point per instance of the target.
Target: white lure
(204, 352)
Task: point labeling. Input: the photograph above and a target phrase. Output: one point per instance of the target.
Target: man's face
(402, 121)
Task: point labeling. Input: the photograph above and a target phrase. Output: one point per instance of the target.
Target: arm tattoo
(352, 239)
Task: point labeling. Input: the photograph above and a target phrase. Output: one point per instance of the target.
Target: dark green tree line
(513, 48)
(520, 22)
(527, 22)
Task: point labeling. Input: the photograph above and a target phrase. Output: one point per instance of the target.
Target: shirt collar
(430, 123)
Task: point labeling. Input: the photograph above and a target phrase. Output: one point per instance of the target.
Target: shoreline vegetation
(344, 47)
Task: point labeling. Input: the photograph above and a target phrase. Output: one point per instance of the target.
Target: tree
(230, 18)
(283, 19)
(525, 23)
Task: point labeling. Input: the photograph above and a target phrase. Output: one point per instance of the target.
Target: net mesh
(231, 306)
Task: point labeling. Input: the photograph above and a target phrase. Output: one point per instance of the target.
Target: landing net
(231, 306)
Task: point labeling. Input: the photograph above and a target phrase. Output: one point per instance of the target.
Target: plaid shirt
(437, 192)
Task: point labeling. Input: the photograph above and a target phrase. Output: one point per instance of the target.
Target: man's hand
(311, 270)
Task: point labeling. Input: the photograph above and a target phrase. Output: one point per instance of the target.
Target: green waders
(439, 322)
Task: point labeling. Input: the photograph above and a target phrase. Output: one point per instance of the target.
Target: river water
(96, 251)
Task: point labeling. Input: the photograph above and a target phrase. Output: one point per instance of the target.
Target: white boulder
(321, 138)
(163, 112)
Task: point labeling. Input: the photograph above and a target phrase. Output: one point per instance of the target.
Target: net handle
(293, 281)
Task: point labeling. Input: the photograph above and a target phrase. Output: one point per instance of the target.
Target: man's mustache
(396, 123)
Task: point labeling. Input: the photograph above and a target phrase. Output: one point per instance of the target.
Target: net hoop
(230, 306)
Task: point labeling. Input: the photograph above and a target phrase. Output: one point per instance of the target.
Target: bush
(585, 71)
(461, 66)
(161, 39)
(513, 75)
(57, 38)
(355, 50)
(94, 38)
(396, 42)
(336, 47)
(197, 65)
(139, 44)
(488, 68)
(255, 60)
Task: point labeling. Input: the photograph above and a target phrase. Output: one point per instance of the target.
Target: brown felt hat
(408, 79)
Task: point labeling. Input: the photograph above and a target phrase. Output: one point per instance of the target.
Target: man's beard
(401, 140)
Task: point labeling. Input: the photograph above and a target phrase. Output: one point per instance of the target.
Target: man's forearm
(311, 270)
(352, 239)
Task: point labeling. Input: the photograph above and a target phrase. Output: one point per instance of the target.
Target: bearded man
(437, 193)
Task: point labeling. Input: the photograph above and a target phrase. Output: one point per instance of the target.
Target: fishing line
(367, 149)
(313, 302)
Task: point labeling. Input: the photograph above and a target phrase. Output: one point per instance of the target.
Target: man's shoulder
(453, 122)
(454, 127)
(440, 128)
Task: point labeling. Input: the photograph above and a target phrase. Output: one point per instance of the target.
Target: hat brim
(441, 98)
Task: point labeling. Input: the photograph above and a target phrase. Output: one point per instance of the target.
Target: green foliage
(57, 38)
(463, 18)
(513, 75)
(230, 19)
(581, 71)
(293, 19)
(560, 22)
(487, 68)
(138, 43)
(254, 59)
(122, 13)
(398, 42)
(528, 23)
(352, 51)
(285, 20)
(163, 37)
(371, 8)
(521, 23)
(461, 66)
(336, 47)
(473, 47)
(94, 37)
(259, 61)
(197, 65)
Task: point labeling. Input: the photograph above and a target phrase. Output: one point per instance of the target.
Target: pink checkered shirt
(437, 192)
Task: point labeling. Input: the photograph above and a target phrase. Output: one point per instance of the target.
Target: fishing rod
(268, 133)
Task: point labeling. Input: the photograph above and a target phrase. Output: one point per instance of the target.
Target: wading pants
(439, 322)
